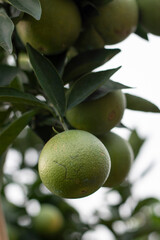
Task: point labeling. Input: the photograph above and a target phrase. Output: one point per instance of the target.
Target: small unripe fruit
(115, 20)
(100, 115)
(58, 28)
(121, 155)
(49, 220)
(149, 11)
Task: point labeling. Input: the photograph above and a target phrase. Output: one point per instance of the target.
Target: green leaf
(32, 7)
(12, 131)
(108, 86)
(87, 61)
(141, 32)
(4, 114)
(15, 96)
(147, 170)
(8, 73)
(144, 202)
(16, 83)
(49, 79)
(86, 85)
(6, 30)
(140, 104)
(58, 61)
(136, 142)
(2, 161)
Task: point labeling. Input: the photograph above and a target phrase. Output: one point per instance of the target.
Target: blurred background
(131, 211)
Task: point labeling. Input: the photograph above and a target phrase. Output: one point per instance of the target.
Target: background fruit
(121, 155)
(115, 20)
(74, 164)
(150, 15)
(49, 220)
(89, 39)
(98, 116)
(57, 29)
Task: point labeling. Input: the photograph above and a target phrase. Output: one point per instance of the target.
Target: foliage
(34, 95)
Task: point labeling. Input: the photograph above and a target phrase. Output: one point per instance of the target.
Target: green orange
(115, 20)
(121, 155)
(74, 164)
(89, 39)
(49, 220)
(149, 11)
(100, 115)
(58, 28)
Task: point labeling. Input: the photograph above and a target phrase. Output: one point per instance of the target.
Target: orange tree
(49, 90)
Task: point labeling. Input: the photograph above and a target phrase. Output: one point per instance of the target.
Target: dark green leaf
(124, 190)
(12, 131)
(136, 142)
(16, 83)
(58, 61)
(147, 170)
(156, 223)
(14, 96)
(141, 32)
(7, 74)
(140, 104)
(96, 2)
(121, 125)
(31, 7)
(86, 85)
(6, 30)
(87, 61)
(2, 161)
(4, 114)
(107, 87)
(49, 79)
(2, 54)
(143, 203)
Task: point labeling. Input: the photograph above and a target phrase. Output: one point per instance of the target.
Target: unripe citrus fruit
(89, 39)
(49, 220)
(150, 15)
(100, 115)
(121, 155)
(115, 20)
(74, 164)
(57, 29)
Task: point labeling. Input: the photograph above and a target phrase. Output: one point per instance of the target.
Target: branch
(3, 231)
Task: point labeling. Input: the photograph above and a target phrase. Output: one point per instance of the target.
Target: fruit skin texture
(121, 155)
(115, 20)
(49, 220)
(149, 11)
(58, 28)
(74, 164)
(100, 115)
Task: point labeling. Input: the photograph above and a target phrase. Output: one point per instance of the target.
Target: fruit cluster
(87, 24)
(88, 155)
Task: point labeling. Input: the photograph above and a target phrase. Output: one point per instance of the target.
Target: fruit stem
(64, 125)
(3, 232)
(55, 130)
